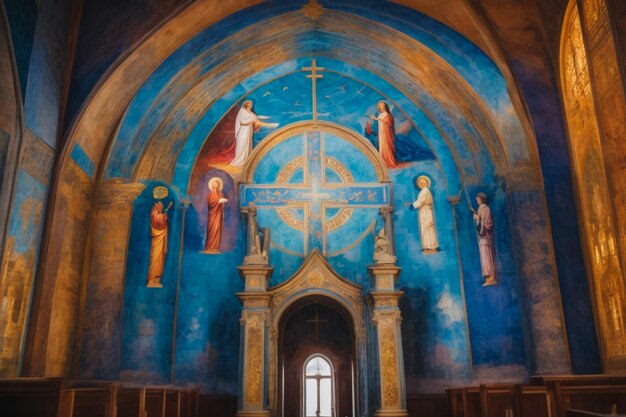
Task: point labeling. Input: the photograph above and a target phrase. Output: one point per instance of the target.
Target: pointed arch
(600, 243)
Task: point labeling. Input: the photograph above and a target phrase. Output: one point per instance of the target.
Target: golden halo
(417, 181)
(219, 180)
(159, 192)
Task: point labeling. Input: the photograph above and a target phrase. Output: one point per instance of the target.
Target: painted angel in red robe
(386, 134)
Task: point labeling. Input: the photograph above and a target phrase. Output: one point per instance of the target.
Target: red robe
(387, 139)
(216, 220)
(158, 246)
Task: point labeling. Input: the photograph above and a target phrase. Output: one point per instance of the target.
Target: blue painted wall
(453, 329)
(441, 344)
(148, 314)
(445, 335)
(207, 338)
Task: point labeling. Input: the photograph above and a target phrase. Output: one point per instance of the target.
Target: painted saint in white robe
(484, 228)
(426, 215)
(246, 124)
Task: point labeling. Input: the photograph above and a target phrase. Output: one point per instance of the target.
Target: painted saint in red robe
(216, 201)
(158, 245)
(386, 134)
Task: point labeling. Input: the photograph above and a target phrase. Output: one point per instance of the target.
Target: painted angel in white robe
(246, 124)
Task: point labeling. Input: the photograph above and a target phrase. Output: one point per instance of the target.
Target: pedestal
(256, 300)
(386, 317)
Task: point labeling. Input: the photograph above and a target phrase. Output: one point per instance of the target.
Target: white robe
(428, 233)
(244, 129)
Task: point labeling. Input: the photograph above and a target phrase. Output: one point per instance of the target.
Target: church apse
(318, 117)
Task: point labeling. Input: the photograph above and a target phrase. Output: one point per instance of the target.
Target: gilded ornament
(160, 192)
(389, 365)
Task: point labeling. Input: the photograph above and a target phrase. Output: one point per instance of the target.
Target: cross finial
(314, 76)
(313, 68)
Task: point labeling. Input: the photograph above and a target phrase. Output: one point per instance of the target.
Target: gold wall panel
(595, 205)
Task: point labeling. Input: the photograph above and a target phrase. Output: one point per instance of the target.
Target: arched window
(595, 209)
(318, 387)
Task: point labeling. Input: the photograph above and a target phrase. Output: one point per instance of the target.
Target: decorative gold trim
(314, 278)
(289, 131)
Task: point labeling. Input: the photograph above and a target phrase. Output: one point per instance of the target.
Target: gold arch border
(291, 130)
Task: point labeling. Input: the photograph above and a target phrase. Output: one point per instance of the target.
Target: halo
(417, 180)
(160, 192)
(218, 179)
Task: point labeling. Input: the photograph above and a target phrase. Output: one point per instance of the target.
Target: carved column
(536, 268)
(254, 337)
(101, 320)
(386, 317)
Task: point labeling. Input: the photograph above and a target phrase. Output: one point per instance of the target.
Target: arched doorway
(317, 360)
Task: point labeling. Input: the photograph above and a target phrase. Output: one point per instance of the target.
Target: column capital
(255, 300)
(384, 276)
(118, 193)
(521, 178)
(385, 299)
(256, 277)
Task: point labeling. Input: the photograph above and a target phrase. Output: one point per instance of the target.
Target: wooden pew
(428, 405)
(465, 402)
(535, 401)
(494, 400)
(31, 397)
(595, 393)
(172, 403)
(499, 400)
(189, 402)
(472, 406)
(90, 399)
(455, 399)
(578, 413)
(131, 401)
(54, 397)
(155, 402)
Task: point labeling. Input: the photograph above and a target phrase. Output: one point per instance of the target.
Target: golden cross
(314, 76)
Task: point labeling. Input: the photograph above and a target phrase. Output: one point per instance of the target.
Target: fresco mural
(340, 99)
(318, 144)
(151, 286)
(18, 268)
(426, 217)
(321, 189)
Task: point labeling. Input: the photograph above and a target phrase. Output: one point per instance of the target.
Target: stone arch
(314, 279)
(72, 199)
